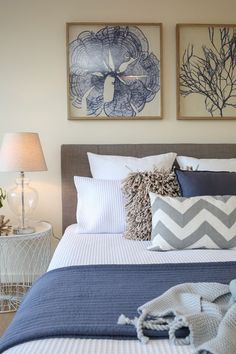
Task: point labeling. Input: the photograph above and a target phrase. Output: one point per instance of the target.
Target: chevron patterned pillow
(197, 222)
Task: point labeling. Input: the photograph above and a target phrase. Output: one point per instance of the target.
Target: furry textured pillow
(137, 202)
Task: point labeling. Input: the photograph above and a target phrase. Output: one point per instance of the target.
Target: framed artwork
(114, 71)
(206, 71)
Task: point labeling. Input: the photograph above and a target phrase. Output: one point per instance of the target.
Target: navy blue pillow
(196, 183)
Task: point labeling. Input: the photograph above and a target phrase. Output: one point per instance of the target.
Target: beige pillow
(136, 188)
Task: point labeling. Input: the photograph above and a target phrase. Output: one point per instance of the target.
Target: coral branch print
(212, 74)
(112, 72)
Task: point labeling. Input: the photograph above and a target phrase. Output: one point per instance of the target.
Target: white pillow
(100, 206)
(191, 163)
(118, 167)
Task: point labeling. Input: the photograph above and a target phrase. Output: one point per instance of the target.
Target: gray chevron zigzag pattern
(197, 222)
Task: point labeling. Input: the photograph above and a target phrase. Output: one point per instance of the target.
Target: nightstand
(23, 258)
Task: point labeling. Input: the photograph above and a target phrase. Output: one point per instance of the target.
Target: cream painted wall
(33, 81)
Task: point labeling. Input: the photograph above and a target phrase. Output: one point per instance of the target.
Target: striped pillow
(100, 206)
(197, 222)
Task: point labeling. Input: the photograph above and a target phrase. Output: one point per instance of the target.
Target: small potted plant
(4, 227)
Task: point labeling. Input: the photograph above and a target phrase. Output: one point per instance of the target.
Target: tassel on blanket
(177, 323)
(143, 339)
(207, 311)
(136, 322)
(122, 320)
(140, 323)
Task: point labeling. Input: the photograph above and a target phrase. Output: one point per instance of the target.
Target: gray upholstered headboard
(74, 162)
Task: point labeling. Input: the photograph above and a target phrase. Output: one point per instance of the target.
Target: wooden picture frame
(114, 71)
(206, 71)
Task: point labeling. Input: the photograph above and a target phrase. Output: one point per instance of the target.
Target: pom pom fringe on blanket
(208, 310)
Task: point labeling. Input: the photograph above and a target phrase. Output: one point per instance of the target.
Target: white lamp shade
(22, 152)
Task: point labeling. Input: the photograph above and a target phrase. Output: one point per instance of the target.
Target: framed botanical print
(114, 71)
(206, 71)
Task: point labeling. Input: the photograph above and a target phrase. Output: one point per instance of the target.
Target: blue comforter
(86, 301)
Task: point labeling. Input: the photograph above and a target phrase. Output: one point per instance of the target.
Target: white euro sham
(192, 163)
(112, 167)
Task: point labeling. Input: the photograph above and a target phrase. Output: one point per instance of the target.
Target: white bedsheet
(75, 249)
(82, 249)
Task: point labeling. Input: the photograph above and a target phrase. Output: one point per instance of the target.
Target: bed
(104, 249)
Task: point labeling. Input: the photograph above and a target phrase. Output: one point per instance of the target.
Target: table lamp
(22, 152)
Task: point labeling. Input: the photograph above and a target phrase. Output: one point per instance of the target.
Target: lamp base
(23, 230)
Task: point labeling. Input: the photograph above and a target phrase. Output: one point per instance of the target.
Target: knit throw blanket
(208, 310)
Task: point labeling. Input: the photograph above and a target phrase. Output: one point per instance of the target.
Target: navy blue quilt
(86, 301)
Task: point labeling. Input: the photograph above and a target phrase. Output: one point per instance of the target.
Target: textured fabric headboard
(74, 162)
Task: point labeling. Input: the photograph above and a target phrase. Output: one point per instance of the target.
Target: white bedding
(82, 249)
(75, 249)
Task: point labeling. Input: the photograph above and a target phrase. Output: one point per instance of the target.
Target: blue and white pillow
(197, 222)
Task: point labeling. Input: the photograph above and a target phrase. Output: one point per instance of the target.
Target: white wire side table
(23, 258)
